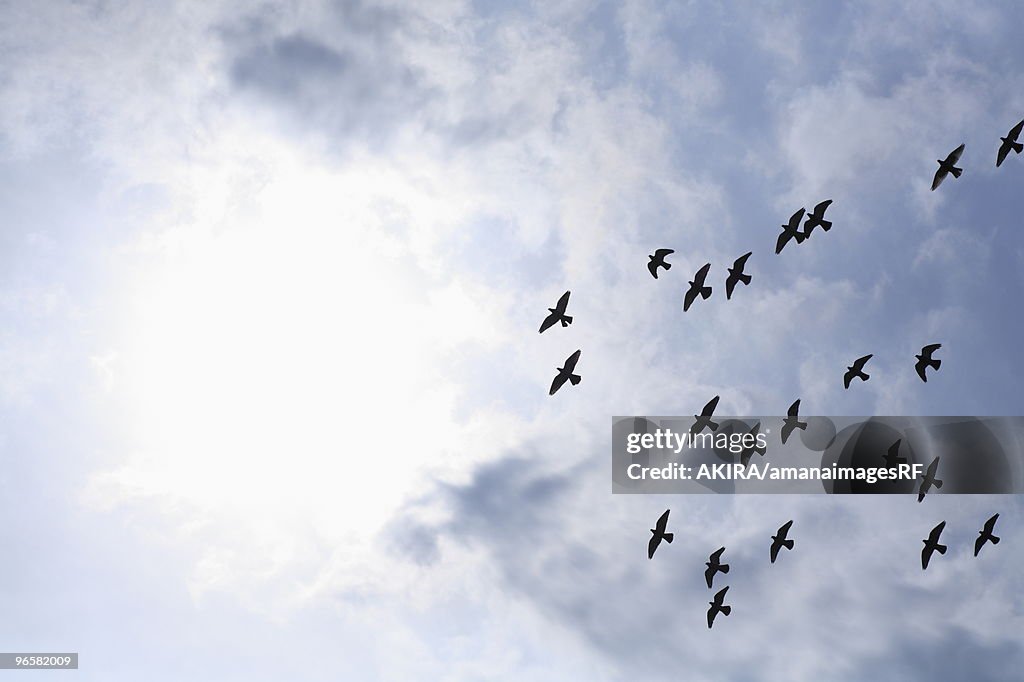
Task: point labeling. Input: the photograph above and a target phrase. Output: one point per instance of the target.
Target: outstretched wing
(954, 155)
(661, 253)
(847, 378)
(741, 262)
(563, 302)
(933, 537)
(652, 267)
(1015, 131)
(781, 242)
(932, 469)
(860, 362)
(991, 524)
(662, 522)
(570, 362)
(716, 556)
(548, 321)
(920, 367)
(560, 379)
(1004, 149)
(701, 275)
(691, 294)
(940, 175)
(930, 348)
(784, 528)
(819, 210)
(794, 409)
(794, 220)
(776, 546)
(652, 545)
(709, 409)
(709, 576)
(711, 615)
(730, 284)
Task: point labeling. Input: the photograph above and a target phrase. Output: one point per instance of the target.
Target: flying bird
(985, 534)
(658, 534)
(697, 287)
(714, 565)
(565, 373)
(892, 457)
(736, 275)
(946, 167)
(792, 422)
(816, 218)
(1010, 142)
(791, 230)
(932, 545)
(557, 314)
(658, 261)
(929, 480)
(704, 418)
(924, 360)
(717, 607)
(856, 370)
(748, 453)
(780, 540)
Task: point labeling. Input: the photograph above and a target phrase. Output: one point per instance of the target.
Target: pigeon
(658, 534)
(780, 540)
(1010, 142)
(791, 230)
(792, 422)
(736, 275)
(892, 457)
(924, 360)
(704, 418)
(658, 261)
(748, 453)
(984, 534)
(932, 545)
(714, 565)
(929, 480)
(565, 373)
(946, 167)
(718, 607)
(557, 314)
(816, 218)
(697, 287)
(856, 370)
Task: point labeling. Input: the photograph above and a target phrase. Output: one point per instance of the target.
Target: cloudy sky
(274, 404)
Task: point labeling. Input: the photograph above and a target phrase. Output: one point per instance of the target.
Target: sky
(273, 399)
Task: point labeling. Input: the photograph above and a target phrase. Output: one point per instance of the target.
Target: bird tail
(938, 483)
(668, 537)
(801, 425)
(566, 320)
(667, 266)
(826, 225)
(800, 237)
(864, 376)
(575, 379)
(724, 568)
(993, 538)
(705, 292)
(956, 171)
(1017, 147)
(941, 549)
(935, 364)
(788, 544)
(726, 610)
(745, 279)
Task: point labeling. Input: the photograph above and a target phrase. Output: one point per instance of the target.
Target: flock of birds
(699, 288)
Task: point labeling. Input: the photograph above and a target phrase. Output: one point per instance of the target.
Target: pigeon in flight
(932, 545)
(856, 370)
(717, 607)
(736, 275)
(792, 422)
(748, 453)
(565, 373)
(929, 480)
(714, 565)
(704, 418)
(985, 534)
(658, 261)
(1010, 142)
(892, 457)
(924, 360)
(791, 230)
(697, 287)
(780, 540)
(658, 534)
(816, 218)
(946, 167)
(557, 314)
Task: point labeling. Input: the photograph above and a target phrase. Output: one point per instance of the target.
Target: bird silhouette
(856, 370)
(714, 565)
(816, 218)
(557, 314)
(985, 534)
(929, 480)
(697, 287)
(749, 452)
(792, 422)
(932, 545)
(924, 360)
(565, 373)
(780, 540)
(790, 230)
(658, 261)
(1010, 142)
(658, 534)
(947, 166)
(892, 457)
(737, 275)
(717, 607)
(703, 419)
